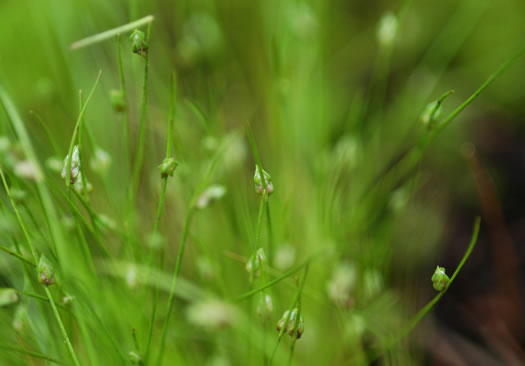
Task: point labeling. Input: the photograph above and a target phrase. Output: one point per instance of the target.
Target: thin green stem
(277, 280)
(270, 234)
(16, 255)
(426, 309)
(30, 353)
(61, 326)
(160, 208)
(35, 258)
(99, 37)
(295, 301)
(171, 298)
(125, 119)
(142, 128)
(81, 149)
(75, 131)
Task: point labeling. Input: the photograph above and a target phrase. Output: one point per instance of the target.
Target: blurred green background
(331, 109)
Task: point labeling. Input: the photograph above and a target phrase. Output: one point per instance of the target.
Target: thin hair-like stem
(99, 37)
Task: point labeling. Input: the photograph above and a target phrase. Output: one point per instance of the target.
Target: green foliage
(326, 96)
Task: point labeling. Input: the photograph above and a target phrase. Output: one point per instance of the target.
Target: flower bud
(167, 167)
(75, 166)
(258, 183)
(288, 325)
(139, 45)
(431, 114)
(440, 279)
(46, 276)
(254, 264)
(117, 100)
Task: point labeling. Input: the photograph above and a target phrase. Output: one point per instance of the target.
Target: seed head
(440, 279)
(139, 45)
(167, 167)
(75, 166)
(46, 276)
(287, 322)
(255, 263)
(258, 183)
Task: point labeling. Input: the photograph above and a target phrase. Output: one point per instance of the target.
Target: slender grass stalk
(16, 255)
(125, 113)
(285, 275)
(34, 354)
(412, 158)
(187, 220)
(271, 240)
(267, 201)
(99, 37)
(40, 298)
(75, 131)
(139, 157)
(428, 307)
(429, 138)
(35, 258)
(294, 331)
(50, 213)
(81, 149)
(171, 299)
(295, 301)
(159, 212)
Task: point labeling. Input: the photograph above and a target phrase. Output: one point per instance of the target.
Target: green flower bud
(440, 279)
(167, 167)
(46, 276)
(288, 325)
(255, 263)
(139, 45)
(431, 114)
(75, 165)
(117, 100)
(258, 183)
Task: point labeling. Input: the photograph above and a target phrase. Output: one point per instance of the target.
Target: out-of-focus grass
(331, 111)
